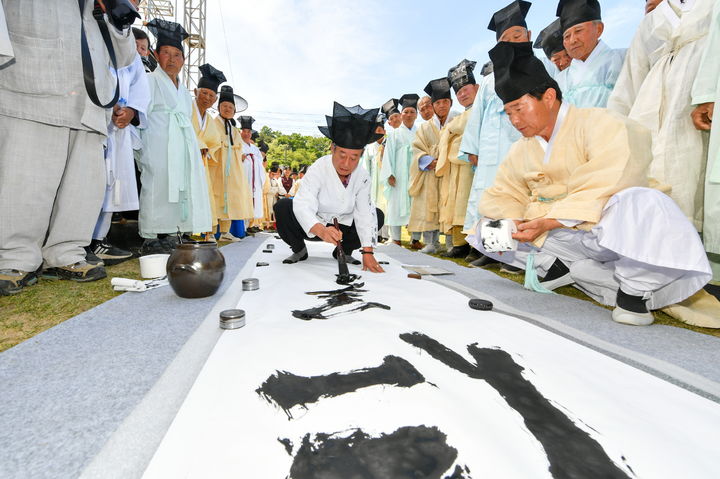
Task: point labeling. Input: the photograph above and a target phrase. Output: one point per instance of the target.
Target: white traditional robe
(662, 102)
(396, 162)
(489, 135)
(272, 188)
(295, 187)
(255, 173)
(589, 84)
(372, 162)
(590, 176)
(705, 90)
(121, 192)
(174, 191)
(6, 49)
(323, 197)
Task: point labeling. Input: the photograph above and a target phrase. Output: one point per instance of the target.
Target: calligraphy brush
(343, 272)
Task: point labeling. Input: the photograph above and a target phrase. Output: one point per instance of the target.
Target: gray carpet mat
(66, 390)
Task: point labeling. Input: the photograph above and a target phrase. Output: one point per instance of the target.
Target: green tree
(294, 150)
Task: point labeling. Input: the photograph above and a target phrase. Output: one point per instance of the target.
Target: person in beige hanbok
(456, 175)
(424, 213)
(576, 187)
(231, 189)
(206, 129)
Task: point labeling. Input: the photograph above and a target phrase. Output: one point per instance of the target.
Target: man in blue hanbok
(488, 134)
(595, 66)
(395, 174)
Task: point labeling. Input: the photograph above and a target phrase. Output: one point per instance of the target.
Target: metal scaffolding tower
(195, 24)
(150, 9)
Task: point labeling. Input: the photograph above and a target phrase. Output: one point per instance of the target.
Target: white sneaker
(624, 316)
(429, 249)
(229, 237)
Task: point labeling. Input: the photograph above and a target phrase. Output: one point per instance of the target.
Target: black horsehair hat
(246, 122)
(409, 100)
(211, 77)
(462, 74)
(512, 15)
(351, 127)
(167, 33)
(518, 71)
(551, 39)
(438, 89)
(390, 107)
(573, 12)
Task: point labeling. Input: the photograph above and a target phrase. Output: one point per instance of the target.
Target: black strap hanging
(88, 71)
(229, 124)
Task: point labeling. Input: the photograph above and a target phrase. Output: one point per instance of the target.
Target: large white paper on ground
(563, 411)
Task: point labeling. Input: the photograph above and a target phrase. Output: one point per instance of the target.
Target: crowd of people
(606, 159)
(157, 152)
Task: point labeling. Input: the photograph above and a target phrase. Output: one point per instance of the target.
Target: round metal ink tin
(232, 319)
(250, 284)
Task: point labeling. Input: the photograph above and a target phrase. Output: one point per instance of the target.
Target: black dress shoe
(558, 275)
(348, 258)
(472, 255)
(457, 251)
(483, 261)
(301, 255)
(506, 268)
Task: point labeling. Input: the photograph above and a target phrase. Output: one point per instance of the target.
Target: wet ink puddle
(344, 301)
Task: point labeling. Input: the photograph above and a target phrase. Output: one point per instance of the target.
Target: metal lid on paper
(250, 284)
(232, 319)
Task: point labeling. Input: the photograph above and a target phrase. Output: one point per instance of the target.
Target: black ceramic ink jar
(196, 269)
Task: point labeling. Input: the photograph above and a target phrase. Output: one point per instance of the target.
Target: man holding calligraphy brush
(335, 188)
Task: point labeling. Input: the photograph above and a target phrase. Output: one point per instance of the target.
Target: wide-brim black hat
(351, 127)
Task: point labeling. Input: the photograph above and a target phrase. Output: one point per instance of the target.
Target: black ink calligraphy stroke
(288, 390)
(413, 452)
(572, 452)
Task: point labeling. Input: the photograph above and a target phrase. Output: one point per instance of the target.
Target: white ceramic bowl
(153, 265)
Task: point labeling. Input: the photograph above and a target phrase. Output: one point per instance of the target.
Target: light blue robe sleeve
(389, 159)
(470, 144)
(424, 161)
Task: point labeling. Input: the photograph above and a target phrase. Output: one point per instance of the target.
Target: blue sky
(291, 59)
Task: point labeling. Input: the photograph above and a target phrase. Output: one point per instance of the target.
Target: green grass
(52, 301)
(660, 317)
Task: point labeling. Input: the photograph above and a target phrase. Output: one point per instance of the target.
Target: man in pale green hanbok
(705, 92)
(395, 177)
(174, 193)
(595, 67)
(372, 161)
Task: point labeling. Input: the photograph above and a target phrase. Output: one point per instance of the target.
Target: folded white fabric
(137, 285)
